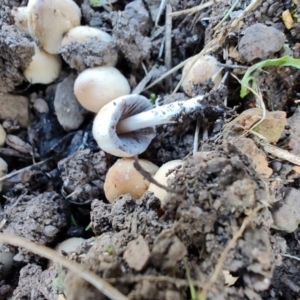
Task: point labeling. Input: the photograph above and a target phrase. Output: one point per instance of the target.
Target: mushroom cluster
(125, 123)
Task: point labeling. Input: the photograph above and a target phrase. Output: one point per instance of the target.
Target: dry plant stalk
(104, 287)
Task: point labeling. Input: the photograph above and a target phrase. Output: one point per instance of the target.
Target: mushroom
(162, 177)
(44, 67)
(3, 170)
(69, 245)
(125, 126)
(2, 136)
(82, 33)
(20, 17)
(122, 178)
(200, 70)
(98, 86)
(50, 20)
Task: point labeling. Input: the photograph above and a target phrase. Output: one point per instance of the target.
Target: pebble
(260, 42)
(70, 113)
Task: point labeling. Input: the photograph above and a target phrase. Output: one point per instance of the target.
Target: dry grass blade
(104, 287)
(280, 153)
(194, 9)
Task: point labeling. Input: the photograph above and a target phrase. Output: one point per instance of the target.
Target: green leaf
(278, 62)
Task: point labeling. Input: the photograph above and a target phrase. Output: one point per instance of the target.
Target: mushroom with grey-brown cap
(126, 126)
(129, 143)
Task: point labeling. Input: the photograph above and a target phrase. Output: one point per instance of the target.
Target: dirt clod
(16, 51)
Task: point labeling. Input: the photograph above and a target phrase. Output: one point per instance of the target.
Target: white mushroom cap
(122, 178)
(83, 33)
(96, 87)
(3, 170)
(50, 20)
(44, 67)
(160, 176)
(203, 68)
(69, 245)
(2, 136)
(105, 124)
(20, 17)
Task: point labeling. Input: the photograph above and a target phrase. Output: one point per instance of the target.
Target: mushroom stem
(160, 115)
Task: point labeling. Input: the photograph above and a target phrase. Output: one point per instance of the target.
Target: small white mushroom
(96, 87)
(2, 136)
(122, 178)
(20, 17)
(3, 170)
(82, 33)
(162, 177)
(125, 126)
(202, 69)
(44, 67)
(50, 20)
(69, 245)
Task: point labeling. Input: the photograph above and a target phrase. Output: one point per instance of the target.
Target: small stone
(14, 107)
(41, 106)
(70, 113)
(287, 215)
(276, 165)
(137, 254)
(260, 41)
(50, 231)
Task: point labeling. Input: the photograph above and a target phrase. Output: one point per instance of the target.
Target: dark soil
(221, 215)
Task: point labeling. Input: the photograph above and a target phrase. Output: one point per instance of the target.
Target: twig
(196, 136)
(79, 270)
(168, 46)
(280, 153)
(149, 177)
(11, 174)
(152, 73)
(194, 9)
(161, 8)
(218, 26)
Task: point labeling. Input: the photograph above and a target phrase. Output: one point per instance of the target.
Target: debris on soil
(92, 53)
(137, 254)
(203, 222)
(260, 161)
(231, 209)
(38, 218)
(14, 108)
(130, 28)
(70, 113)
(260, 42)
(83, 175)
(43, 282)
(271, 128)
